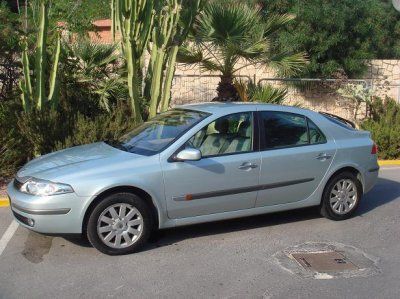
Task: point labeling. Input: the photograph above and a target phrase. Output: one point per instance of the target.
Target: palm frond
(242, 89)
(274, 23)
(267, 94)
(189, 55)
(288, 65)
(94, 54)
(209, 65)
(231, 23)
(248, 91)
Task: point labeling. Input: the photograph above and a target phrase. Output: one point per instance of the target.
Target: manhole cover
(324, 261)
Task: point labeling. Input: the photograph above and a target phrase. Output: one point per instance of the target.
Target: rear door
(295, 155)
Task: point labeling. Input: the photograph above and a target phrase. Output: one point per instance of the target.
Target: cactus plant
(34, 96)
(168, 14)
(172, 25)
(190, 9)
(133, 19)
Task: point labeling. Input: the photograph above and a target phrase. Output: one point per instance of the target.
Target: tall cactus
(34, 95)
(168, 14)
(133, 19)
(174, 20)
(190, 9)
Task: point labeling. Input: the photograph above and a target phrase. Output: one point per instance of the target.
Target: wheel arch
(129, 189)
(348, 168)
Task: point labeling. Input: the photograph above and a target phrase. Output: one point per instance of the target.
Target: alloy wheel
(120, 225)
(343, 196)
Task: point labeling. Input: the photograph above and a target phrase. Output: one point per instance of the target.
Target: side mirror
(188, 154)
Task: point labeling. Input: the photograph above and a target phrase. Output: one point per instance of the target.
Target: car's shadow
(384, 192)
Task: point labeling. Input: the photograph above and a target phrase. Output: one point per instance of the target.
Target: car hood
(72, 157)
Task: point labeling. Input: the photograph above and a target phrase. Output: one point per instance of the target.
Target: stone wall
(386, 75)
(193, 85)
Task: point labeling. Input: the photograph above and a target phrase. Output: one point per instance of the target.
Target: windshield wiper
(117, 144)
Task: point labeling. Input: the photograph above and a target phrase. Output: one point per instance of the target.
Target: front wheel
(120, 224)
(341, 196)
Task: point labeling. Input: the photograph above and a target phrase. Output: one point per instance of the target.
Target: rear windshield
(338, 122)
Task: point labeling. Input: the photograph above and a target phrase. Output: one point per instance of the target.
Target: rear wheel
(121, 223)
(341, 196)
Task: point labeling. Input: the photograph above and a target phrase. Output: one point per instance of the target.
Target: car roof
(222, 108)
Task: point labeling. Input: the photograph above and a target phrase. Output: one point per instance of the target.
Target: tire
(121, 223)
(343, 204)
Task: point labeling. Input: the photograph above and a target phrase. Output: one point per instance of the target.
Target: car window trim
(262, 132)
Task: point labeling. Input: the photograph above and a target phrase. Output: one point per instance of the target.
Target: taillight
(374, 149)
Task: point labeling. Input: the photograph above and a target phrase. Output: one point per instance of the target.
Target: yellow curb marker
(4, 202)
(388, 162)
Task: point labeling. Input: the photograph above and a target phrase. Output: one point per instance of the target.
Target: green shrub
(103, 127)
(385, 127)
(12, 152)
(24, 136)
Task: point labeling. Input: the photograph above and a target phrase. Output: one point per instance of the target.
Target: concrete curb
(388, 162)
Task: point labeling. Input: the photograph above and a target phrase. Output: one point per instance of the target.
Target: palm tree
(249, 91)
(96, 69)
(228, 33)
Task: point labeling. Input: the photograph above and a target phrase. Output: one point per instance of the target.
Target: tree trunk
(226, 90)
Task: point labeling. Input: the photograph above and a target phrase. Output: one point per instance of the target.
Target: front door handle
(323, 156)
(248, 166)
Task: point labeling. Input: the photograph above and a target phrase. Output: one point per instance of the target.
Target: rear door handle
(323, 156)
(248, 166)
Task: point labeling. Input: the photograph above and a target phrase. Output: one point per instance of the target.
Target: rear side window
(316, 135)
(283, 129)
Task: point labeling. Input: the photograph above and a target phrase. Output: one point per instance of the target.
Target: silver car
(195, 164)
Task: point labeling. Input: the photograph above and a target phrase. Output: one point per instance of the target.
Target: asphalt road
(225, 259)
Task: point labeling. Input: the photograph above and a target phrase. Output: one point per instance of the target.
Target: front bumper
(57, 214)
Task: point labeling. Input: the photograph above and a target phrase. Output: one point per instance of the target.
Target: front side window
(158, 133)
(283, 129)
(227, 135)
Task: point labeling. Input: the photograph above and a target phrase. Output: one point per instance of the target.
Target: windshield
(158, 133)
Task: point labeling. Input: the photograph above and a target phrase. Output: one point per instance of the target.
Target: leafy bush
(9, 47)
(339, 34)
(103, 127)
(385, 127)
(12, 152)
(24, 136)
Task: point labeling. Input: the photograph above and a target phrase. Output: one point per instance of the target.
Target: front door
(224, 179)
(295, 157)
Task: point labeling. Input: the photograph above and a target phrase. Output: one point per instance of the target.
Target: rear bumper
(58, 214)
(370, 178)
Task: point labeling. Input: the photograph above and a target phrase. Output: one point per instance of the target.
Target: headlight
(44, 188)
